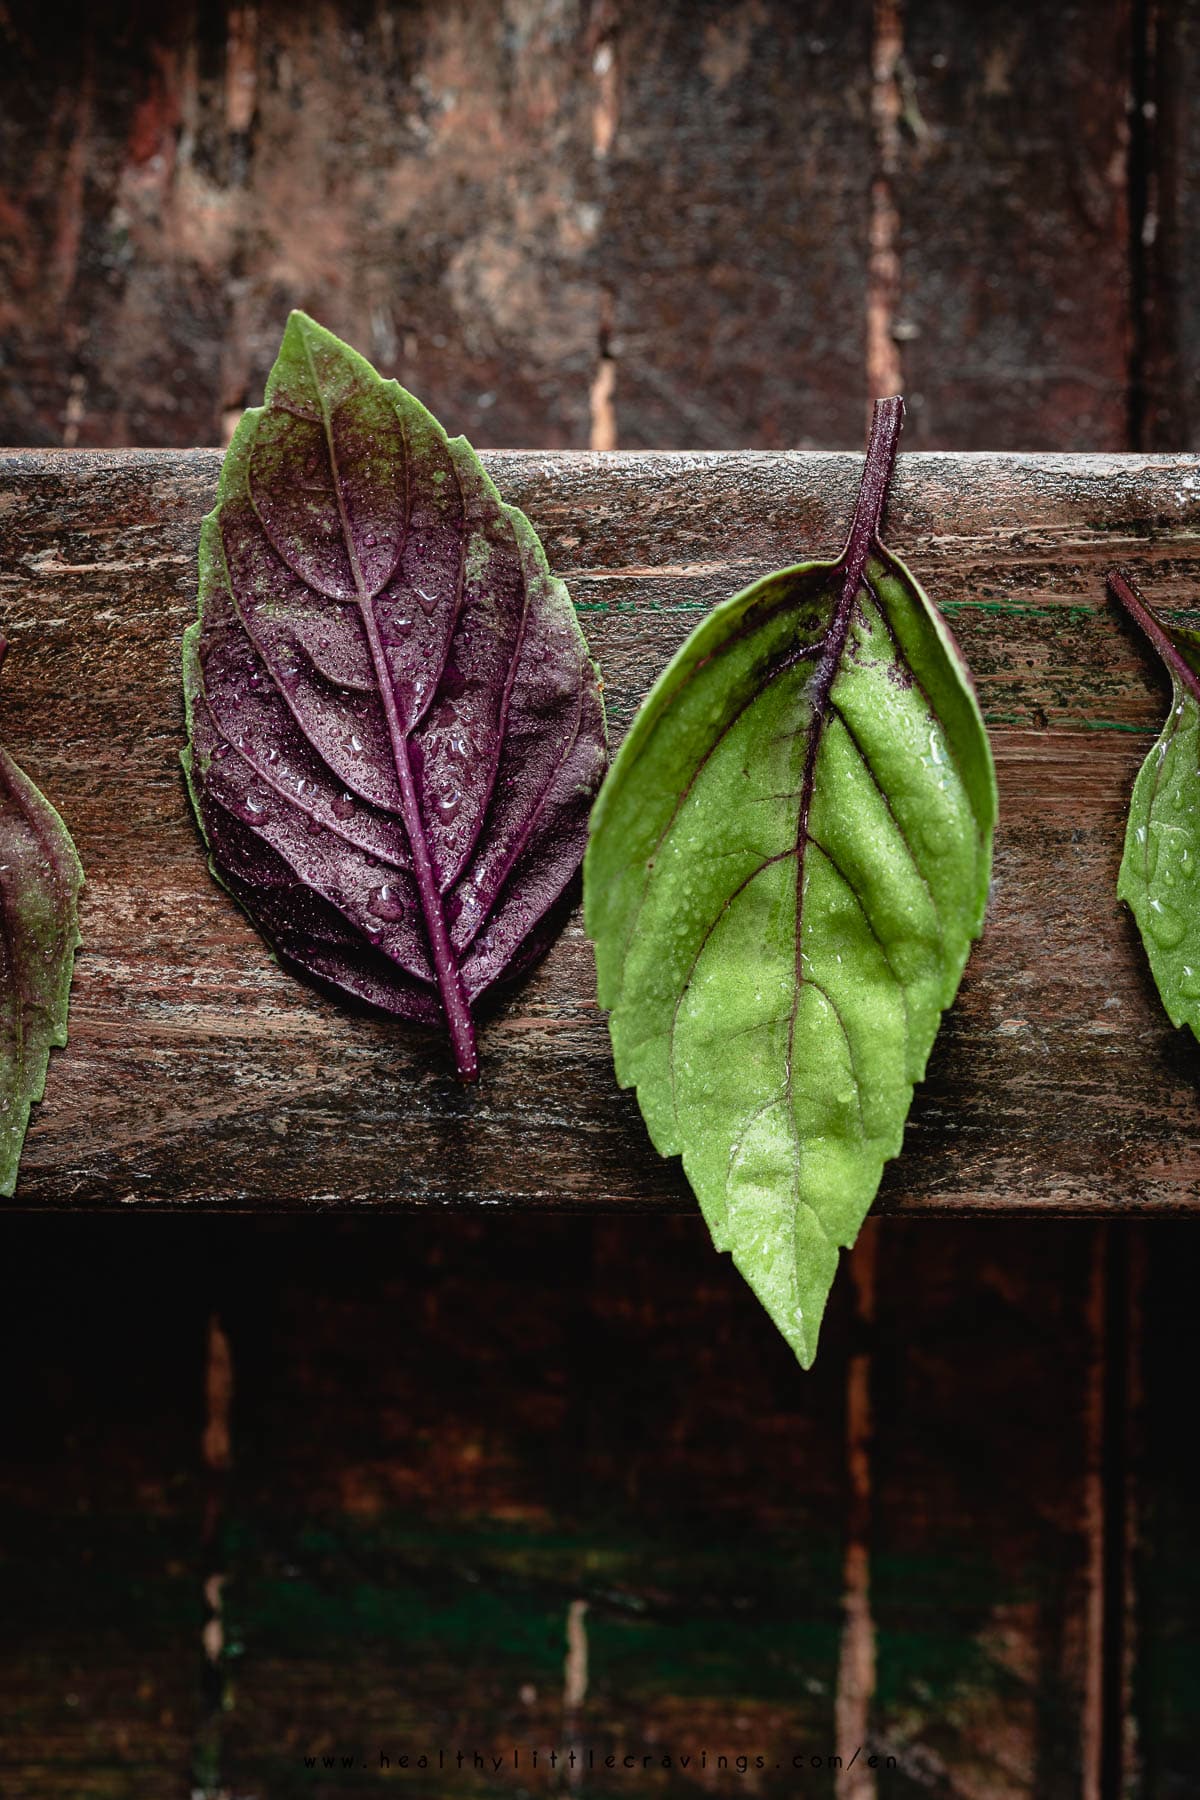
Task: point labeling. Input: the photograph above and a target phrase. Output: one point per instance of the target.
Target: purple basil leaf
(395, 730)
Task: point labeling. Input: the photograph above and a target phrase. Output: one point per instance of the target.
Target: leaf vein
(871, 927)
(812, 982)
(753, 876)
(900, 831)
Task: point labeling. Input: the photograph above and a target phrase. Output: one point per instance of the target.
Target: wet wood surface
(199, 1073)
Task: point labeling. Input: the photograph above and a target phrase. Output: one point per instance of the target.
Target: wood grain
(100, 1508)
(1166, 250)
(619, 1451)
(173, 179)
(733, 238)
(499, 209)
(200, 1074)
(1010, 179)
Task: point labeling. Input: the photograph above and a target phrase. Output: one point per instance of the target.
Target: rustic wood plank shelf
(201, 1075)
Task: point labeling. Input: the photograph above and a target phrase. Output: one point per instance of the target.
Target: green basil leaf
(1158, 868)
(788, 863)
(40, 883)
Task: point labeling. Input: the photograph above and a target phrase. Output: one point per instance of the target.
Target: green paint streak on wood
(674, 1615)
(1065, 723)
(1014, 609)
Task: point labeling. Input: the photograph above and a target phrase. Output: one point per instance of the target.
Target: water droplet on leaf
(1166, 926)
(386, 904)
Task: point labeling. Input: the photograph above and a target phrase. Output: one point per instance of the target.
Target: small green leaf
(788, 863)
(1158, 875)
(40, 882)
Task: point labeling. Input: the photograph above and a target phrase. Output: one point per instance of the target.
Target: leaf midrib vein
(445, 961)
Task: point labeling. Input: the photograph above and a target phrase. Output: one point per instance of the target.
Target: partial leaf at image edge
(1158, 874)
(395, 731)
(788, 863)
(40, 883)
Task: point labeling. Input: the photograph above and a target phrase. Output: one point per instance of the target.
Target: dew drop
(254, 808)
(386, 904)
(343, 806)
(428, 601)
(1166, 926)
(289, 675)
(1189, 985)
(219, 752)
(447, 804)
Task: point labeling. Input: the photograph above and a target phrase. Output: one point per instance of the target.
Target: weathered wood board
(597, 222)
(200, 1074)
(1010, 176)
(101, 1508)
(502, 1482)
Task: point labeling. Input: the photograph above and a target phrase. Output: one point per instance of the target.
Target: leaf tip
(302, 337)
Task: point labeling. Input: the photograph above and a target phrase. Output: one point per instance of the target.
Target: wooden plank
(510, 1482)
(1008, 182)
(1163, 1659)
(173, 179)
(1166, 143)
(506, 216)
(550, 1527)
(100, 1650)
(986, 1584)
(731, 140)
(200, 1074)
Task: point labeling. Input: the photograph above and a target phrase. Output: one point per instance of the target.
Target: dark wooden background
(315, 1485)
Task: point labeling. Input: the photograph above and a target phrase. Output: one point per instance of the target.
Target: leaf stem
(886, 426)
(887, 423)
(1122, 589)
